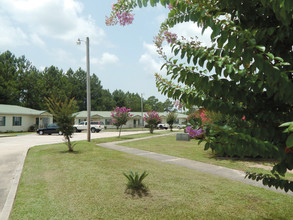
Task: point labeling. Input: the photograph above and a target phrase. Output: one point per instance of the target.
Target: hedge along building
(17, 118)
(133, 122)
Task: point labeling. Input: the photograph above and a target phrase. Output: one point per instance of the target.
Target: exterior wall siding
(26, 122)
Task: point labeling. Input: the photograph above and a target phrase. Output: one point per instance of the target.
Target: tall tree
(9, 84)
(77, 87)
(247, 71)
(96, 93)
(63, 114)
(119, 97)
(133, 101)
(54, 83)
(107, 102)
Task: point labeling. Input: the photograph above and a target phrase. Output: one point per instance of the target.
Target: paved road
(12, 154)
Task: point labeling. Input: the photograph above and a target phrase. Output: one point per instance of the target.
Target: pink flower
(170, 37)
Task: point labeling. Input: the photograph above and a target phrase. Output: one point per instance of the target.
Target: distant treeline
(23, 84)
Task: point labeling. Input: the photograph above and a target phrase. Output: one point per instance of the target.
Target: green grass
(16, 133)
(191, 150)
(89, 184)
(129, 137)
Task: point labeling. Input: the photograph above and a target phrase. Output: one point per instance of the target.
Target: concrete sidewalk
(228, 173)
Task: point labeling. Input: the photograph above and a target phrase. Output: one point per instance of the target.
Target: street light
(88, 85)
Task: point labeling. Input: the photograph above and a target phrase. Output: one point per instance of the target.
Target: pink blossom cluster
(152, 117)
(178, 104)
(170, 6)
(203, 117)
(120, 114)
(119, 13)
(194, 132)
(124, 17)
(170, 37)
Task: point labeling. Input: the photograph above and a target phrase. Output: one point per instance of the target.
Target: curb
(12, 192)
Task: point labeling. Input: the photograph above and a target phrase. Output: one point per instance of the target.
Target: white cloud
(37, 40)
(150, 59)
(190, 29)
(11, 36)
(107, 58)
(59, 19)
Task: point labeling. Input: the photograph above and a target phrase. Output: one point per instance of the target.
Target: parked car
(50, 129)
(162, 126)
(180, 126)
(96, 126)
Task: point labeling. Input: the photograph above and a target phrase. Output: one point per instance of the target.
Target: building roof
(107, 114)
(18, 110)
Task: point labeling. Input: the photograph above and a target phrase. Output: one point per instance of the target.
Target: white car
(96, 126)
(162, 126)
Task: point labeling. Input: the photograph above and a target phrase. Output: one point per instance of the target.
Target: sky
(122, 57)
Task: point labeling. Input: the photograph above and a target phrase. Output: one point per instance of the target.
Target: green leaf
(261, 48)
(229, 68)
(176, 51)
(289, 141)
(153, 3)
(145, 3)
(270, 55)
(286, 124)
(223, 38)
(210, 66)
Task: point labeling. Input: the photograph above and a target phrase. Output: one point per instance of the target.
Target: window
(2, 120)
(16, 121)
(81, 120)
(108, 121)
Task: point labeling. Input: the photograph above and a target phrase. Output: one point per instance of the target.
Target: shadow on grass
(137, 193)
(70, 152)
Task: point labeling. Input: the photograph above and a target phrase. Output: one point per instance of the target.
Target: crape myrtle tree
(63, 113)
(247, 71)
(152, 119)
(120, 116)
(171, 119)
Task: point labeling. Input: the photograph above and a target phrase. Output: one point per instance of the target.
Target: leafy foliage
(171, 119)
(247, 71)
(63, 113)
(135, 180)
(23, 84)
(152, 119)
(120, 116)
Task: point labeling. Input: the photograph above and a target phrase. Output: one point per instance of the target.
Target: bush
(32, 128)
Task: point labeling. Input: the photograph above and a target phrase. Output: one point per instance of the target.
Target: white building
(134, 122)
(16, 118)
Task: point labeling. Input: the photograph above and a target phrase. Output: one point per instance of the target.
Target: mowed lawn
(194, 151)
(89, 184)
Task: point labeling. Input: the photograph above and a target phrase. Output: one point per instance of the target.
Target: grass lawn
(89, 184)
(191, 150)
(16, 133)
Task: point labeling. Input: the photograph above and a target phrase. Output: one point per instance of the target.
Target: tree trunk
(120, 131)
(70, 149)
(151, 129)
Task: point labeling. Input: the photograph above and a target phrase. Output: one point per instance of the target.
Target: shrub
(171, 118)
(134, 184)
(153, 119)
(120, 116)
